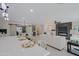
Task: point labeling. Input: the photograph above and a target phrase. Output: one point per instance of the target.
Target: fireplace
(63, 29)
(3, 31)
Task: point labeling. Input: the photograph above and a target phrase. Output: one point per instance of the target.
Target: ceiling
(40, 12)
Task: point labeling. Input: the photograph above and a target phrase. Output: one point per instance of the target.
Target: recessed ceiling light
(6, 19)
(6, 15)
(31, 10)
(3, 14)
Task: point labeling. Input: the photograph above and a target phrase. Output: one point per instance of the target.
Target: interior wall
(40, 29)
(49, 25)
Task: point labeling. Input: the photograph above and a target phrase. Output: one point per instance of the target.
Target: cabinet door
(13, 30)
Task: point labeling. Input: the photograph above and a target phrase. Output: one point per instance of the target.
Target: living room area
(39, 29)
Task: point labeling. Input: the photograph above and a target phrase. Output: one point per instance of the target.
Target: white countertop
(10, 46)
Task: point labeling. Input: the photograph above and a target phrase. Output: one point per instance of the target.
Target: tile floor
(55, 52)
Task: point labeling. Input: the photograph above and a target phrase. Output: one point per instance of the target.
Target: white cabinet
(58, 42)
(13, 30)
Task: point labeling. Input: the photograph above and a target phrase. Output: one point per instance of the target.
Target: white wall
(49, 25)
